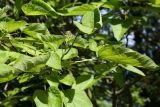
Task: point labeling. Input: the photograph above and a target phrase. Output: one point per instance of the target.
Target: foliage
(50, 58)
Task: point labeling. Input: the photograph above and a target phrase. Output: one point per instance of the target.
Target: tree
(56, 53)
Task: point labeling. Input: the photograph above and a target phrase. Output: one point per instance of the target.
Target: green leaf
(80, 10)
(93, 45)
(97, 18)
(73, 52)
(83, 82)
(40, 31)
(77, 99)
(31, 64)
(40, 98)
(82, 28)
(67, 79)
(123, 55)
(5, 55)
(38, 7)
(35, 28)
(112, 4)
(7, 73)
(103, 69)
(54, 97)
(24, 77)
(52, 79)
(133, 69)
(17, 7)
(90, 22)
(3, 11)
(12, 26)
(51, 41)
(78, 42)
(27, 48)
(119, 77)
(54, 61)
(157, 2)
(120, 27)
(88, 19)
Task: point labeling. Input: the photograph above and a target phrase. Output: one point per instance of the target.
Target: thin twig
(69, 47)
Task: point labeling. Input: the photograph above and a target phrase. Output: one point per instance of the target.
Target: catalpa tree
(71, 53)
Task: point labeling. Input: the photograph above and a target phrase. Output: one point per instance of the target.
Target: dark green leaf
(52, 79)
(40, 98)
(119, 77)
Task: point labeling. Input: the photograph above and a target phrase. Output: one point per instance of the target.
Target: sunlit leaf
(112, 4)
(82, 28)
(78, 42)
(5, 55)
(7, 73)
(90, 22)
(67, 53)
(12, 26)
(92, 45)
(67, 79)
(35, 28)
(38, 7)
(54, 61)
(31, 64)
(119, 28)
(50, 98)
(82, 82)
(80, 10)
(124, 55)
(155, 2)
(77, 99)
(24, 77)
(133, 69)
(54, 97)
